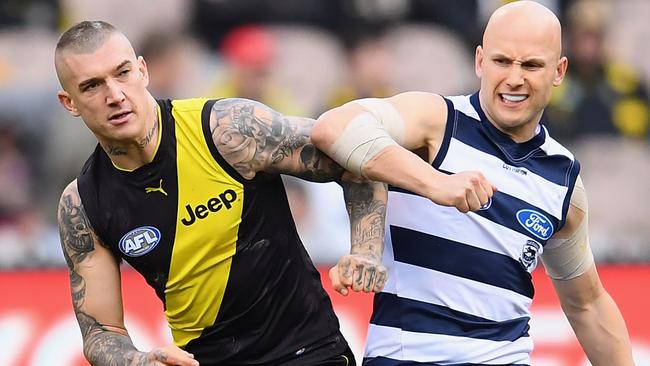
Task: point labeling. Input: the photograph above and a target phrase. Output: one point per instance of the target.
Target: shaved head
(527, 21)
(82, 38)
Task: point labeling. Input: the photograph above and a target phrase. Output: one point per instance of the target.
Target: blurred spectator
(29, 13)
(600, 95)
(15, 177)
(460, 17)
(25, 239)
(430, 58)
(368, 63)
(168, 56)
(249, 52)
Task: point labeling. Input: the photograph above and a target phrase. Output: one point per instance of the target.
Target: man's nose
(515, 76)
(115, 94)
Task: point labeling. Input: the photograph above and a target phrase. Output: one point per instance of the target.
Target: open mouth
(512, 98)
(119, 117)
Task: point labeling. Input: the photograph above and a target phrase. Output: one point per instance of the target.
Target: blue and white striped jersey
(459, 286)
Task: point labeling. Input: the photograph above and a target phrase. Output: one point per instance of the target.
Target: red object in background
(37, 324)
(249, 46)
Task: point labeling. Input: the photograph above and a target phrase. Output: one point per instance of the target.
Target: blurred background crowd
(303, 57)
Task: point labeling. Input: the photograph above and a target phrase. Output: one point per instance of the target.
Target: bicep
(577, 293)
(425, 118)
(254, 138)
(568, 254)
(94, 271)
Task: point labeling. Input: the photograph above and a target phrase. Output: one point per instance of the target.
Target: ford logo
(140, 241)
(535, 223)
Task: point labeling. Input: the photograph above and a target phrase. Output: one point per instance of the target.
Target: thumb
(337, 284)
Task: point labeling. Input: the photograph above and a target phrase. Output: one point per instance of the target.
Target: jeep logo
(214, 204)
(140, 241)
(535, 223)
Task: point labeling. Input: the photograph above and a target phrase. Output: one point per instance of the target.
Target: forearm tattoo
(101, 346)
(252, 138)
(367, 216)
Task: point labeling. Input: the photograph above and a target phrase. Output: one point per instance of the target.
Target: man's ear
(67, 102)
(560, 71)
(142, 66)
(478, 61)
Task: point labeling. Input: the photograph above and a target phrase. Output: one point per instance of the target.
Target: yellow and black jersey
(221, 252)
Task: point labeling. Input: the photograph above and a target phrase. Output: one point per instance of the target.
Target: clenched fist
(361, 272)
(467, 191)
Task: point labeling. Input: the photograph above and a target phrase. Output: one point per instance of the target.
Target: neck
(519, 134)
(132, 154)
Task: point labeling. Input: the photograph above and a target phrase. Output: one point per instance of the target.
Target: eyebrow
(532, 60)
(87, 82)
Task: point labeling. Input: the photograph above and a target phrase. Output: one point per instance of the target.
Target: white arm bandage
(368, 134)
(570, 257)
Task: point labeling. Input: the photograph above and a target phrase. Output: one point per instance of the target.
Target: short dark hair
(85, 36)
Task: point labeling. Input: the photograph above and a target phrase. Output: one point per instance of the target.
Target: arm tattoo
(367, 216)
(252, 138)
(101, 346)
(75, 231)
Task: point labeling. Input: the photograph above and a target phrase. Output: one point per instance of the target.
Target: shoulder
(71, 190)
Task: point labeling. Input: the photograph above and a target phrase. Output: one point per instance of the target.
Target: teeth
(513, 98)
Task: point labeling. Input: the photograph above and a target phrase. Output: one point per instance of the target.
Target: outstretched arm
(375, 138)
(592, 313)
(96, 293)
(253, 138)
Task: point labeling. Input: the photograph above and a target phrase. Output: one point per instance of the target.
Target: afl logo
(535, 223)
(140, 241)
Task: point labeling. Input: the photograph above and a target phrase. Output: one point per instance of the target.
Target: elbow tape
(367, 134)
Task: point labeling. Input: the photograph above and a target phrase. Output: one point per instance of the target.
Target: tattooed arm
(253, 138)
(362, 269)
(97, 296)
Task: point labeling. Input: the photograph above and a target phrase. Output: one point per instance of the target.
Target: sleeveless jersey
(459, 286)
(221, 252)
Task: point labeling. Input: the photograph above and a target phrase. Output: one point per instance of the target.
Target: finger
(369, 277)
(462, 205)
(473, 201)
(481, 193)
(345, 271)
(488, 187)
(357, 281)
(176, 356)
(382, 275)
(335, 279)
